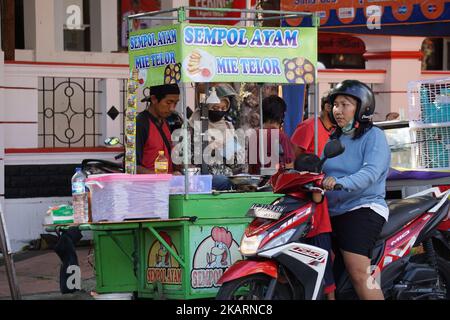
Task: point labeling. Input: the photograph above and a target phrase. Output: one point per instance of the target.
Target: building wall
(25, 217)
(21, 134)
(2, 133)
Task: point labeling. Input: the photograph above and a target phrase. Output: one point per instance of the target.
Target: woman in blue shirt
(359, 211)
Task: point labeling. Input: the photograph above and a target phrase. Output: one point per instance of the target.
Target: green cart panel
(223, 205)
(201, 252)
(116, 260)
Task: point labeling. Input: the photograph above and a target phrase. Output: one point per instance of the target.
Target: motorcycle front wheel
(253, 287)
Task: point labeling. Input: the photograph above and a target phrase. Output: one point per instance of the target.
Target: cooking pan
(242, 180)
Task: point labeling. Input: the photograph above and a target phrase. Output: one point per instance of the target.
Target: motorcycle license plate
(265, 211)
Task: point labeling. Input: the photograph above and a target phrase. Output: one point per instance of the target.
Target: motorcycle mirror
(333, 148)
(112, 141)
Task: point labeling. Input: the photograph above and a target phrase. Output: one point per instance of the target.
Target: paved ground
(38, 276)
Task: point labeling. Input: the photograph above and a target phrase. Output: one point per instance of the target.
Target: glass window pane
(76, 25)
(129, 7)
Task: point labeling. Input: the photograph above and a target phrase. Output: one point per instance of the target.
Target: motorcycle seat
(402, 211)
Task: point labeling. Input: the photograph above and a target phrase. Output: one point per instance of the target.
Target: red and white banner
(230, 4)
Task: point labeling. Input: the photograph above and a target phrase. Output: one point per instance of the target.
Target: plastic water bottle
(79, 197)
(161, 163)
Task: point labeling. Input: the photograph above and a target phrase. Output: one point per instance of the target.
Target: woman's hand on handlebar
(329, 183)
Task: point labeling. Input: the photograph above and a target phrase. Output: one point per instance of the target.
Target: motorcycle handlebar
(119, 156)
(312, 188)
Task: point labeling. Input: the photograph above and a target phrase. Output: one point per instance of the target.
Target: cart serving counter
(177, 258)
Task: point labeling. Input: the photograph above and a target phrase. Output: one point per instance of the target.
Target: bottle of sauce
(161, 163)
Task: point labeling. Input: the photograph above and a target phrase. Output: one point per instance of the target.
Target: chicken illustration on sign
(219, 256)
(213, 256)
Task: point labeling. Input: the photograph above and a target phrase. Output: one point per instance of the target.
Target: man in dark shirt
(152, 131)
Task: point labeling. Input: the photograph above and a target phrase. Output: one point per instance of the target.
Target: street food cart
(183, 257)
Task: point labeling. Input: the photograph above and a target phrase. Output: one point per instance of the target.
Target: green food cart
(179, 258)
(184, 256)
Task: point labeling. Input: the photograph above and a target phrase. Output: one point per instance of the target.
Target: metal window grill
(123, 101)
(68, 112)
(429, 102)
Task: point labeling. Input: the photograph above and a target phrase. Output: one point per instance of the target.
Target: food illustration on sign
(142, 77)
(172, 73)
(200, 65)
(219, 256)
(194, 62)
(132, 85)
(299, 70)
(130, 113)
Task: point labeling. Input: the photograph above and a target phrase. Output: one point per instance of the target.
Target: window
(76, 25)
(341, 51)
(69, 114)
(447, 54)
(19, 24)
(432, 49)
(12, 27)
(129, 7)
(342, 61)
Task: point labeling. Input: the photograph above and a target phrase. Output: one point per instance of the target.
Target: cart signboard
(214, 249)
(211, 53)
(190, 257)
(155, 51)
(162, 267)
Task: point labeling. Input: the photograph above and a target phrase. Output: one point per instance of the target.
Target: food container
(61, 214)
(120, 196)
(198, 184)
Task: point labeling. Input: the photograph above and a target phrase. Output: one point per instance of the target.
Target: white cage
(431, 147)
(429, 102)
(429, 122)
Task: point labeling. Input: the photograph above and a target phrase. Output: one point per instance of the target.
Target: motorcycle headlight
(249, 245)
(280, 240)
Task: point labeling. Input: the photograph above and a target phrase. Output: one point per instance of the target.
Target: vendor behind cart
(153, 133)
(221, 137)
(152, 129)
(274, 109)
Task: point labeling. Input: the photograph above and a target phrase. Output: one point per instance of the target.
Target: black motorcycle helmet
(363, 95)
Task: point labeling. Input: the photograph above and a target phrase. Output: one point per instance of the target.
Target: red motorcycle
(279, 266)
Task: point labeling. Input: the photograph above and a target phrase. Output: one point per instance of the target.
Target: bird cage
(429, 121)
(431, 147)
(429, 102)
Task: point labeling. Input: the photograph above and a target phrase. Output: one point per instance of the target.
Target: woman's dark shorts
(357, 231)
